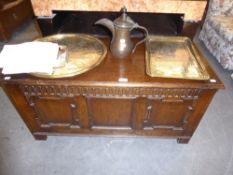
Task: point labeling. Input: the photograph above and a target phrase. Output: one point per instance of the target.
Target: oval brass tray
(84, 52)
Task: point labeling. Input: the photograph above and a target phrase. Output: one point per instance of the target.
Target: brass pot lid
(124, 21)
(84, 52)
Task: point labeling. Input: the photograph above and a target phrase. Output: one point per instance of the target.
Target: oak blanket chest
(116, 98)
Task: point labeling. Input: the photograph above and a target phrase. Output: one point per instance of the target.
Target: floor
(210, 151)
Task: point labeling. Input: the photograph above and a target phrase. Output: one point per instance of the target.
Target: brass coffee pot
(121, 44)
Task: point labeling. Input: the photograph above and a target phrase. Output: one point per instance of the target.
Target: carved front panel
(168, 113)
(108, 112)
(111, 107)
(52, 111)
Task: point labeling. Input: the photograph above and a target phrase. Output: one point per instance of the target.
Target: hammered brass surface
(84, 53)
(173, 57)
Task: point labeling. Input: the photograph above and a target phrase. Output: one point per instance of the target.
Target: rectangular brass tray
(173, 57)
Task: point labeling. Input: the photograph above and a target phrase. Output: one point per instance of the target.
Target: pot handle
(136, 26)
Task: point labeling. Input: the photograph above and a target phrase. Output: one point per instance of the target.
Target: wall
(193, 9)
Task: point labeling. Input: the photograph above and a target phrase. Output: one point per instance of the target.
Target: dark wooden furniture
(83, 22)
(13, 14)
(116, 98)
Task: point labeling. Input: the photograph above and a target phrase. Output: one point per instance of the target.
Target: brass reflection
(84, 52)
(173, 57)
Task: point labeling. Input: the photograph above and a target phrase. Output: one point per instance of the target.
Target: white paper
(29, 57)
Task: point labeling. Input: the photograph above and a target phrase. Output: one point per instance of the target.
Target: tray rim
(60, 36)
(178, 39)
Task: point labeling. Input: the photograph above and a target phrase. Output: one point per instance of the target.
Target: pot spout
(108, 24)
